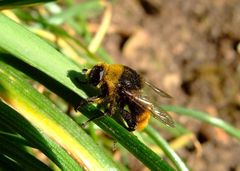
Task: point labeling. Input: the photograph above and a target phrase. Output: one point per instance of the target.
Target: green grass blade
(31, 49)
(81, 9)
(19, 124)
(127, 139)
(42, 114)
(180, 165)
(202, 116)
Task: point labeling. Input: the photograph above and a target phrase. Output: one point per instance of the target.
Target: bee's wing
(157, 90)
(163, 116)
(158, 113)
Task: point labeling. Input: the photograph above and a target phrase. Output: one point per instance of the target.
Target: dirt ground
(191, 49)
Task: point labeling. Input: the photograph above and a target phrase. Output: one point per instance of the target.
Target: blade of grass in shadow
(8, 164)
(48, 60)
(44, 115)
(14, 138)
(21, 156)
(19, 3)
(202, 116)
(180, 165)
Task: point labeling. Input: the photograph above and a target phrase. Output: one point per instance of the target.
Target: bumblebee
(121, 92)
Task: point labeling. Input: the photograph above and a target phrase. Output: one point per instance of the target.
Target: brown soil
(191, 49)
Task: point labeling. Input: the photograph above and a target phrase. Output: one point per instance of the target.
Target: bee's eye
(95, 75)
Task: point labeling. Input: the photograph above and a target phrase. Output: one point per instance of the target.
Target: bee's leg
(84, 124)
(104, 101)
(130, 119)
(112, 108)
(94, 99)
(101, 100)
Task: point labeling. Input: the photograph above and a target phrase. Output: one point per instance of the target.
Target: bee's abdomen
(140, 113)
(142, 120)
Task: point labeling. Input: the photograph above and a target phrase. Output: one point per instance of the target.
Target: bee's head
(95, 74)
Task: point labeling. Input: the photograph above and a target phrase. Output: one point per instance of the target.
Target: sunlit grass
(51, 52)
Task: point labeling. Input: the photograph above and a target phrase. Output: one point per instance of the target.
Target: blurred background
(188, 48)
(191, 49)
